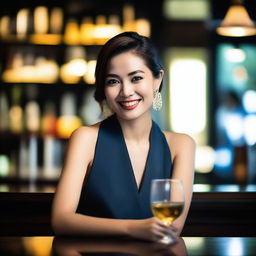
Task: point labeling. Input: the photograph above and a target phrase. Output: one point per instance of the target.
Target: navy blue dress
(110, 189)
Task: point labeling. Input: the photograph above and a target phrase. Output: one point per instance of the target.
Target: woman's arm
(65, 220)
(183, 153)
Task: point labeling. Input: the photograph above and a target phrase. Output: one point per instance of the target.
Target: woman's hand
(150, 229)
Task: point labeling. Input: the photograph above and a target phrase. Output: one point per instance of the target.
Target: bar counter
(25, 211)
(197, 246)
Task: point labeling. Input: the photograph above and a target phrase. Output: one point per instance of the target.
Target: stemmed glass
(167, 202)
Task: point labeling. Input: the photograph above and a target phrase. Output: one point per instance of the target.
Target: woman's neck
(136, 130)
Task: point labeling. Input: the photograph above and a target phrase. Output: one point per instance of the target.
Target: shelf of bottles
(47, 84)
(25, 63)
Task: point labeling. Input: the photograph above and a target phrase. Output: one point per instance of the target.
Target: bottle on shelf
(90, 110)
(72, 32)
(86, 31)
(22, 23)
(51, 146)
(75, 66)
(4, 108)
(89, 77)
(68, 121)
(4, 27)
(16, 124)
(56, 20)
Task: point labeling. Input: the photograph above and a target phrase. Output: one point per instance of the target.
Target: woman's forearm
(78, 224)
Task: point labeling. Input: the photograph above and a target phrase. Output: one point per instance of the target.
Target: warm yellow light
(89, 77)
(40, 246)
(72, 32)
(41, 20)
(237, 23)
(236, 31)
(86, 31)
(32, 113)
(22, 23)
(5, 26)
(72, 71)
(103, 31)
(143, 27)
(45, 71)
(128, 18)
(56, 20)
(48, 39)
(66, 125)
(49, 124)
(77, 67)
(16, 117)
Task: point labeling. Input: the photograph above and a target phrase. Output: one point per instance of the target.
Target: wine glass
(167, 202)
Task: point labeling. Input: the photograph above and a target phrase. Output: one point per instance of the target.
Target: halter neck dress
(110, 189)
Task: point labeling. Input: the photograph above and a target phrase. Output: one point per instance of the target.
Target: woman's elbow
(57, 225)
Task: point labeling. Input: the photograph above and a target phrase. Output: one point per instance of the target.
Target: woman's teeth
(129, 103)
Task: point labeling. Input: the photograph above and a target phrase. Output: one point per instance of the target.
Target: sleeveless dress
(110, 190)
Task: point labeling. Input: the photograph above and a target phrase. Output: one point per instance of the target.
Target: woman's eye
(136, 78)
(112, 82)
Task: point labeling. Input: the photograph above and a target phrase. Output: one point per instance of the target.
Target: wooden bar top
(193, 246)
(26, 212)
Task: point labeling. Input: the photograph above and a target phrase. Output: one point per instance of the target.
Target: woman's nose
(127, 89)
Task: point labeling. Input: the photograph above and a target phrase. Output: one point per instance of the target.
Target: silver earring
(157, 101)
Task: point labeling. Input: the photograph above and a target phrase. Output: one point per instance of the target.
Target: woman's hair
(124, 42)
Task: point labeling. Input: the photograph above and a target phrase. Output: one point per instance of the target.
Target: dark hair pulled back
(126, 41)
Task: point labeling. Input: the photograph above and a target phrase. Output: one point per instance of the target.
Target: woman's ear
(159, 80)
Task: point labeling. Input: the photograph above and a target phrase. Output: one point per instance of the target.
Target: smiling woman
(105, 184)
(130, 85)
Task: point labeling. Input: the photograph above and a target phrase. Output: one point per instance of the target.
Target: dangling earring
(106, 110)
(157, 101)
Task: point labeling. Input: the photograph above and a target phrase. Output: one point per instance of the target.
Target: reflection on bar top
(224, 188)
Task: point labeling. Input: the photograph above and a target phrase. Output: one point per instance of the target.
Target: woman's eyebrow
(129, 74)
(135, 72)
(112, 75)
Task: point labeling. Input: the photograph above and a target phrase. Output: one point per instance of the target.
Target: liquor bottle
(72, 32)
(22, 21)
(4, 108)
(68, 121)
(86, 31)
(51, 145)
(16, 112)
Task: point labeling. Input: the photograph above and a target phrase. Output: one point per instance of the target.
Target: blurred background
(48, 52)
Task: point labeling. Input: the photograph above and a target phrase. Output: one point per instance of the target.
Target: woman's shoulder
(89, 130)
(179, 142)
(178, 137)
(84, 134)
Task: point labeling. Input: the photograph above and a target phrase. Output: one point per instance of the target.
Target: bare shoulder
(179, 142)
(85, 132)
(83, 141)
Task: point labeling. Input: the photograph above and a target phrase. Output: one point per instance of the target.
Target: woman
(105, 183)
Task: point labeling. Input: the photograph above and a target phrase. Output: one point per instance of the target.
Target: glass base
(166, 240)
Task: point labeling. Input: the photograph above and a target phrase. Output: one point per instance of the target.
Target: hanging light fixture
(237, 22)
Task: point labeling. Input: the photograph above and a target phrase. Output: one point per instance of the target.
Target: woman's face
(130, 85)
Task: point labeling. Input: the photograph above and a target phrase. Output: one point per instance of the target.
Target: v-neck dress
(110, 189)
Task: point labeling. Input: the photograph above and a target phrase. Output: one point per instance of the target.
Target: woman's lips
(129, 104)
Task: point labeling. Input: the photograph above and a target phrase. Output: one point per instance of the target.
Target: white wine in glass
(167, 202)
